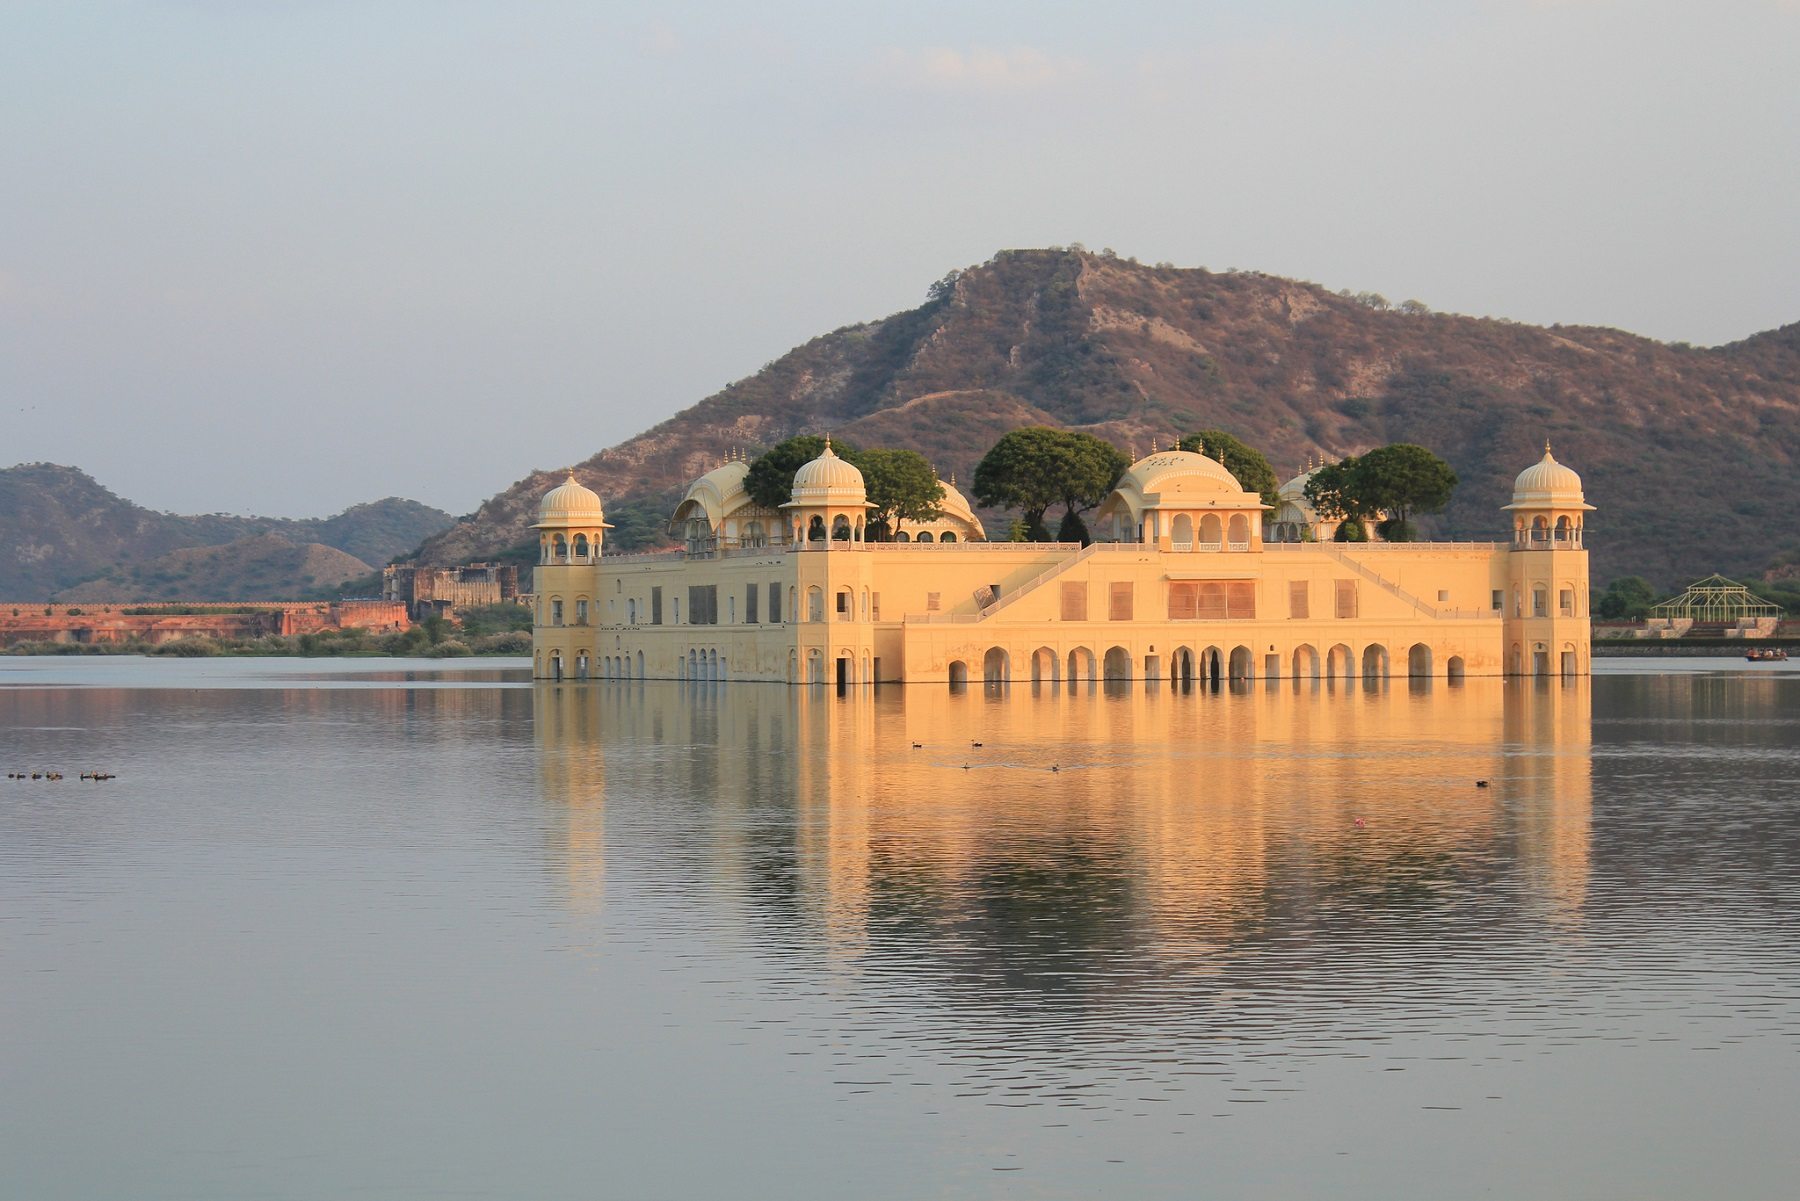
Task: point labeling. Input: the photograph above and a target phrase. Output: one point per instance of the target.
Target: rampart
(167, 622)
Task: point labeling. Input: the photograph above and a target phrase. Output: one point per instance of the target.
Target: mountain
(257, 567)
(1688, 452)
(59, 527)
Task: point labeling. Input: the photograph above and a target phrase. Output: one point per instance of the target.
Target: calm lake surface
(382, 929)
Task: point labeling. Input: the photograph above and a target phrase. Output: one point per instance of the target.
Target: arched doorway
(1241, 666)
(1212, 666)
(1454, 668)
(1375, 662)
(1340, 663)
(1118, 664)
(959, 674)
(1306, 662)
(1181, 667)
(1081, 665)
(1043, 666)
(1418, 660)
(996, 666)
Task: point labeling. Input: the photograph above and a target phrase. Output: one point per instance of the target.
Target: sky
(284, 257)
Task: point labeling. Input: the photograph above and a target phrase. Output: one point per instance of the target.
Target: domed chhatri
(570, 503)
(1191, 578)
(1547, 484)
(828, 479)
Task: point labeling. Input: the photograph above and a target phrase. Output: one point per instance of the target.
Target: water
(397, 930)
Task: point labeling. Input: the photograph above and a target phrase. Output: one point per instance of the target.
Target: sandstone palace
(1190, 578)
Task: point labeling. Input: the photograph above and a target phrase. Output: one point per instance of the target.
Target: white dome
(1172, 477)
(1547, 484)
(829, 480)
(569, 503)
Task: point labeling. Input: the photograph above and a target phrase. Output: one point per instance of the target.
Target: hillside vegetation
(260, 567)
(1688, 452)
(59, 528)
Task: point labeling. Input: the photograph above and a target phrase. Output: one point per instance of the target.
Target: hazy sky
(283, 257)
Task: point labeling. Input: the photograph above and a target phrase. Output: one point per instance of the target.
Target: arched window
(581, 611)
(815, 603)
(556, 611)
(815, 529)
(1563, 529)
(1240, 531)
(924, 535)
(1182, 532)
(581, 546)
(753, 534)
(559, 550)
(840, 528)
(1540, 601)
(1212, 533)
(947, 536)
(903, 536)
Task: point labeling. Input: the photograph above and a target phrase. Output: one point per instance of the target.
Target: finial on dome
(1546, 446)
(1152, 443)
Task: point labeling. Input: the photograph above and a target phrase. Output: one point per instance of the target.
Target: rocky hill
(1688, 452)
(259, 567)
(59, 528)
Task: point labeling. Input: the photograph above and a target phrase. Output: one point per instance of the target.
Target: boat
(1773, 654)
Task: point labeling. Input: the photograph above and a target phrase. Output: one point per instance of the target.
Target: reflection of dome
(570, 504)
(1178, 475)
(828, 479)
(1547, 484)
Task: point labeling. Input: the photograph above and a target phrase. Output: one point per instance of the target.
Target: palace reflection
(1190, 825)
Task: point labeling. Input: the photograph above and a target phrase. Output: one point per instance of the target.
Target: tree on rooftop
(902, 487)
(1249, 465)
(1033, 468)
(1403, 480)
(770, 482)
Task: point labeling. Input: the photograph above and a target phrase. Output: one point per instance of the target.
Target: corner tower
(571, 527)
(1547, 620)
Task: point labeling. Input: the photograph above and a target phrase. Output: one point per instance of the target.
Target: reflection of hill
(1174, 833)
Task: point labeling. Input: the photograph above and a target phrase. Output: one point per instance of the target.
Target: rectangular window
(751, 596)
(875, 608)
(1184, 601)
(1240, 600)
(1540, 601)
(1565, 602)
(581, 611)
(843, 603)
(1499, 600)
(1345, 596)
(555, 612)
(656, 606)
(1074, 602)
(1443, 594)
(934, 601)
(775, 604)
(1119, 601)
(1298, 599)
(703, 604)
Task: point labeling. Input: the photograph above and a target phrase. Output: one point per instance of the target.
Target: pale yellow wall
(1438, 595)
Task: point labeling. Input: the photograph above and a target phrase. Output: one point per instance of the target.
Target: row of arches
(559, 549)
(1188, 665)
(704, 665)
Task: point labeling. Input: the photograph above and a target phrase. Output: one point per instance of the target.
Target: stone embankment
(154, 625)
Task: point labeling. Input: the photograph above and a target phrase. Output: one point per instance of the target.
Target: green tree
(770, 482)
(1627, 598)
(1033, 468)
(902, 487)
(1331, 489)
(1402, 480)
(1399, 480)
(1249, 465)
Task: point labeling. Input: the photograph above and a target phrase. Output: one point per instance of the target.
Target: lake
(392, 929)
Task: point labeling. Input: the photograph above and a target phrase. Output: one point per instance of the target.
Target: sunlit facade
(1186, 581)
